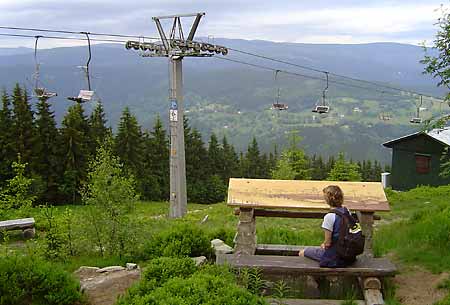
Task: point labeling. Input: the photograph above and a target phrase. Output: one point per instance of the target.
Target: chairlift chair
(324, 108)
(276, 105)
(417, 119)
(321, 109)
(85, 95)
(40, 92)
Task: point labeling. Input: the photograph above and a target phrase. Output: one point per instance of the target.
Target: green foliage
(54, 239)
(7, 154)
(29, 280)
(157, 272)
(280, 291)
(421, 235)
(75, 138)
(179, 241)
(16, 195)
(110, 197)
(177, 281)
(283, 169)
(344, 171)
(47, 154)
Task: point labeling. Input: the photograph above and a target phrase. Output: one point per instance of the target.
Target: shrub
(26, 280)
(179, 241)
(210, 285)
(158, 272)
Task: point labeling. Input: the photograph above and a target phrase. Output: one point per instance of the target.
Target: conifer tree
(7, 154)
(252, 166)
(344, 171)
(129, 145)
(215, 157)
(23, 125)
(97, 127)
(75, 151)
(230, 161)
(156, 163)
(47, 153)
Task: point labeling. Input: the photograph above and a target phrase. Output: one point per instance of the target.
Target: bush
(180, 241)
(28, 280)
(176, 283)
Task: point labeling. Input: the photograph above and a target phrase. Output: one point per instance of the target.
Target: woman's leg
(313, 253)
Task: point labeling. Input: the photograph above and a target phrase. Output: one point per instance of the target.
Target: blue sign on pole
(173, 105)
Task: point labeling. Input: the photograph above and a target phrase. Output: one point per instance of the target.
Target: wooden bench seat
(274, 264)
(311, 302)
(24, 224)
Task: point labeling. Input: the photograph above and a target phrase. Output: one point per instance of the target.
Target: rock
(29, 233)
(200, 260)
(131, 266)
(220, 247)
(111, 269)
(104, 288)
(86, 272)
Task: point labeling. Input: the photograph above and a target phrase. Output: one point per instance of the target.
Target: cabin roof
(441, 135)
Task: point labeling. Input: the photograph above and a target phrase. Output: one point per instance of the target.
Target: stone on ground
(220, 247)
(200, 260)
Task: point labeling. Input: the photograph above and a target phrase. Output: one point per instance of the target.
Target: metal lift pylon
(176, 47)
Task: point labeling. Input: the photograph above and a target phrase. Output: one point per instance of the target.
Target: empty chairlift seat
(321, 109)
(83, 96)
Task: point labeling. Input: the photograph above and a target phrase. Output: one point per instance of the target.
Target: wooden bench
(24, 224)
(367, 270)
(254, 198)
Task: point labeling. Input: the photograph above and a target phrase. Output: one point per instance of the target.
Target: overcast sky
(307, 21)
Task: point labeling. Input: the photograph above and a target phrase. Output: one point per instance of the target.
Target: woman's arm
(327, 239)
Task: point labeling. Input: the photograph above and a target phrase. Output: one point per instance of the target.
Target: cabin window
(423, 164)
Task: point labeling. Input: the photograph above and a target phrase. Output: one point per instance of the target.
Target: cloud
(331, 21)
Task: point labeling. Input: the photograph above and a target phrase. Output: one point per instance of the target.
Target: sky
(300, 21)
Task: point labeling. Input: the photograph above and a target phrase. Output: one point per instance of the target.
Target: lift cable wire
(232, 49)
(311, 77)
(63, 38)
(330, 73)
(74, 32)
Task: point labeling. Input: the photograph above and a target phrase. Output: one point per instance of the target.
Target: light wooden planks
(14, 224)
(299, 265)
(304, 195)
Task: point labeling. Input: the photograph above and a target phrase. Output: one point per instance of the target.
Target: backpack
(351, 239)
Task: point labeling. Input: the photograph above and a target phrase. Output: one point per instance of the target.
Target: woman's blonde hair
(334, 195)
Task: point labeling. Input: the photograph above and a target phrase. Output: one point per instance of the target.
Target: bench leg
(366, 220)
(372, 291)
(29, 233)
(245, 239)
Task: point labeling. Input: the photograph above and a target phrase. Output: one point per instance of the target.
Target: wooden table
(275, 198)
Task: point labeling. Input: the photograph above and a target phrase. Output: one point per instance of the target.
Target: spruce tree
(75, 151)
(97, 127)
(215, 157)
(47, 153)
(23, 125)
(129, 146)
(344, 170)
(252, 164)
(156, 163)
(7, 142)
(230, 161)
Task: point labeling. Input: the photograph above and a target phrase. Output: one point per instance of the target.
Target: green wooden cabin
(416, 159)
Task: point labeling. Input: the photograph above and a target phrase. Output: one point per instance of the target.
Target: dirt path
(416, 286)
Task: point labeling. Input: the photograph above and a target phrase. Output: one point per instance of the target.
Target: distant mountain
(216, 91)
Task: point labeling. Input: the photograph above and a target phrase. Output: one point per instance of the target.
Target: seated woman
(326, 255)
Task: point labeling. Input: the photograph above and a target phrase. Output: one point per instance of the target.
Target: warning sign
(173, 115)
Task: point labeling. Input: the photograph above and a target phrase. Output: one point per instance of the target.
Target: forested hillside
(233, 100)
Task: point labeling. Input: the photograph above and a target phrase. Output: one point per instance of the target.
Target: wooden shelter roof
(304, 194)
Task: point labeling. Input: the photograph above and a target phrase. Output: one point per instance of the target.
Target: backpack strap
(345, 215)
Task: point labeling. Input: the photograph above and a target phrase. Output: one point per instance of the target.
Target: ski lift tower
(176, 46)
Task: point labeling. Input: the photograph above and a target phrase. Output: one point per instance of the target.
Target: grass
(415, 232)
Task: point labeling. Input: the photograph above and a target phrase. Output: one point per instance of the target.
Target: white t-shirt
(328, 221)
